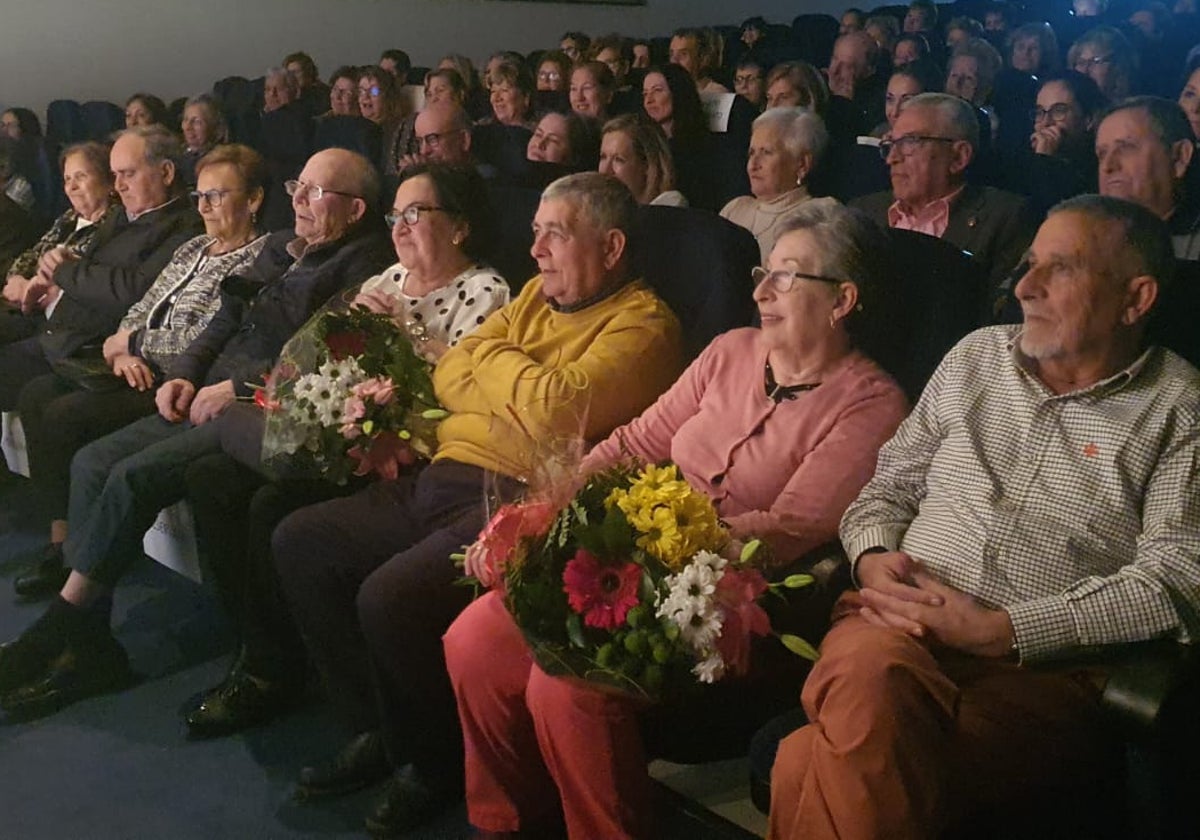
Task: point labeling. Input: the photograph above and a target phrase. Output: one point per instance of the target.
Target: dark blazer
(113, 274)
(994, 226)
(264, 306)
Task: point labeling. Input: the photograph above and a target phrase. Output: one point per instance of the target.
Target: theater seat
(64, 123)
(101, 119)
(358, 134)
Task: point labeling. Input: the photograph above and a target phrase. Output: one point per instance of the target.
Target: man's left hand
(210, 401)
(959, 622)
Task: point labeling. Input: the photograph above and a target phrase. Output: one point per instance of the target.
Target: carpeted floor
(119, 768)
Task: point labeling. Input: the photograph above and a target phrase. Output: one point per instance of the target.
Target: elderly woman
(439, 292)
(145, 109)
(592, 89)
(90, 396)
(1109, 58)
(635, 152)
(511, 92)
(1033, 48)
(203, 128)
(555, 362)
(785, 147)
(797, 84)
(445, 85)
(280, 88)
(87, 182)
(343, 92)
(971, 72)
(803, 414)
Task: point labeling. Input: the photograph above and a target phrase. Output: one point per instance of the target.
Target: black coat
(263, 307)
(113, 274)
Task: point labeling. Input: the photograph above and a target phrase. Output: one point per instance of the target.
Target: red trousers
(534, 740)
(903, 740)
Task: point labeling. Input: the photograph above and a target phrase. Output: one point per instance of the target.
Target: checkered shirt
(1078, 513)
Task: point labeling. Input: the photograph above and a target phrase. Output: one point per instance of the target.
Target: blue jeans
(119, 484)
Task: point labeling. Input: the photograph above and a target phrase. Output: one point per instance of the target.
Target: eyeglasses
(747, 78)
(213, 197)
(784, 281)
(373, 90)
(411, 214)
(1081, 65)
(548, 75)
(1056, 112)
(434, 139)
(313, 192)
(906, 145)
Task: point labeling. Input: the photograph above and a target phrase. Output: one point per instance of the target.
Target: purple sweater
(784, 472)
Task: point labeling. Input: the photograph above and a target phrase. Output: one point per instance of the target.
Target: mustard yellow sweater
(530, 377)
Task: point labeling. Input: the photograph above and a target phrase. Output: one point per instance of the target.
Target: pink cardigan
(784, 472)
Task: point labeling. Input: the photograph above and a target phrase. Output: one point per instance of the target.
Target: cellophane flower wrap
(349, 396)
(629, 583)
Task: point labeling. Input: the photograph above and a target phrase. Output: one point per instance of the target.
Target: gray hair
(799, 130)
(362, 178)
(604, 201)
(293, 85)
(209, 104)
(852, 248)
(1145, 240)
(956, 114)
(987, 60)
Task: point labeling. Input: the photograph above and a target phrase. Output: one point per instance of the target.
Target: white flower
(702, 629)
(711, 669)
(709, 560)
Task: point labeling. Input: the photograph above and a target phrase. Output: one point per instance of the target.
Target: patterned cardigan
(183, 299)
(62, 232)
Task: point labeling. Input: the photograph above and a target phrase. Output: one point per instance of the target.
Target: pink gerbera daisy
(602, 594)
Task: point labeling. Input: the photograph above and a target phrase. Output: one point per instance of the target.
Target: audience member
(785, 147)
(971, 73)
(635, 151)
(397, 63)
(852, 20)
(372, 592)
(575, 46)
(794, 84)
(691, 51)
(884, 30)
(592, 88)
(554, 71)
(922, 16)
(203, 128)
(854, 76)
(144, 110)
(1189, 97)
(925, 706)
(1107, 56)
(25, 130)
(1033, 48)
(343, 92)
(669, 98)
(910, 47)
(960, 30)
(312, 93)
(749, 79)
(17, 227)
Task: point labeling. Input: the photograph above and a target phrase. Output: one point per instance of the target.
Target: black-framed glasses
(784, 280)
(434, 138)
(411, 214)
(313, 192)
(213, 197)
(747, 78)
(1056, 112)
(906, 145)
(1081, 65)
(373, 90)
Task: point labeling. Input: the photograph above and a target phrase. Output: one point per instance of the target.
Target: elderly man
(369, 579)
(120, 482)
(83, 297)
(1041, 499)
(854, 77)
(442, 133)
(928, 150)
(1144, 146)
(689, 50)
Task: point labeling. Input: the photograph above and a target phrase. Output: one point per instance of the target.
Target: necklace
(778, 393)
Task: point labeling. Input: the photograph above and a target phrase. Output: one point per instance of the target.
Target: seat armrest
(1146, 681)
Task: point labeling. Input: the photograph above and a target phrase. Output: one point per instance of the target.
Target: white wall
(107, 49)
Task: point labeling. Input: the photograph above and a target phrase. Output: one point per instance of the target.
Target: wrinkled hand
(14, 289)
(52, 259)
(475, 565)
(378, 301)
(1046, 141)
(928, 609)
(210, 401)
(407, 161)
(39, 294)
(134, 370)
(174, 399)
(116, 345)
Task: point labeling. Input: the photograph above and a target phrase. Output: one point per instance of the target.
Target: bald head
(443, 133)
(349, 189)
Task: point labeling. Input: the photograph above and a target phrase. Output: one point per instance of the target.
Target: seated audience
(635, 152)
(640, 49)
(785, 147)
(570, 140)
(926, 706)
(884, 31)
(907, 81)
(83, 295)
(996, 20)
(780, 425)
(120, 482)
(312, 94)
(397, 63)
(144, 110)
(1033, 49)
(25, 130)
(909, 47)
(1189, 97)
(615, 52)
(575, 46)
(379, 101)
(501, 139)
(971, 73)
(203, 128)
(442, 134)
(1107, 56)
(439, 292)
(1144, 146)
(592, 89)
(927, 151)
(669, 98)
(88, 184)
(511, 91)
(852, 20)
(854, 77)
(17, 226)
(280, 88)
(554, 72)
(369, 579)
(63, 411)
(343, 92)
(922, 17)
(960, 30)
(445, 85)
(793, 84)
(689, 50)
(476, 98)
(749, 79)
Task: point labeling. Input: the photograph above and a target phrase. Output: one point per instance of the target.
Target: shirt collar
(1105, 386)
(936, 213)
(131, 217)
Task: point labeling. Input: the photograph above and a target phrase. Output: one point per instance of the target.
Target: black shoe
(359, 764)
(28, 655)
(238, 703)
(45, 578)
(407, 803)
(79, 672)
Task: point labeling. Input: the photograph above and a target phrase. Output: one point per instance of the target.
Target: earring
(456, 239)
(832, 321)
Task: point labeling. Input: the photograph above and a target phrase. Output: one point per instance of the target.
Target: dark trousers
(20, 362)
(373, 618)
(236, 508)
(59, 418)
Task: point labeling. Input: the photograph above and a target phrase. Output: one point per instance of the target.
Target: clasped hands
(899, 592)
(178, 400)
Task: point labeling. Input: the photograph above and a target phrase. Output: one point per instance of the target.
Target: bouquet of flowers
(348, 396)
(628, 583)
